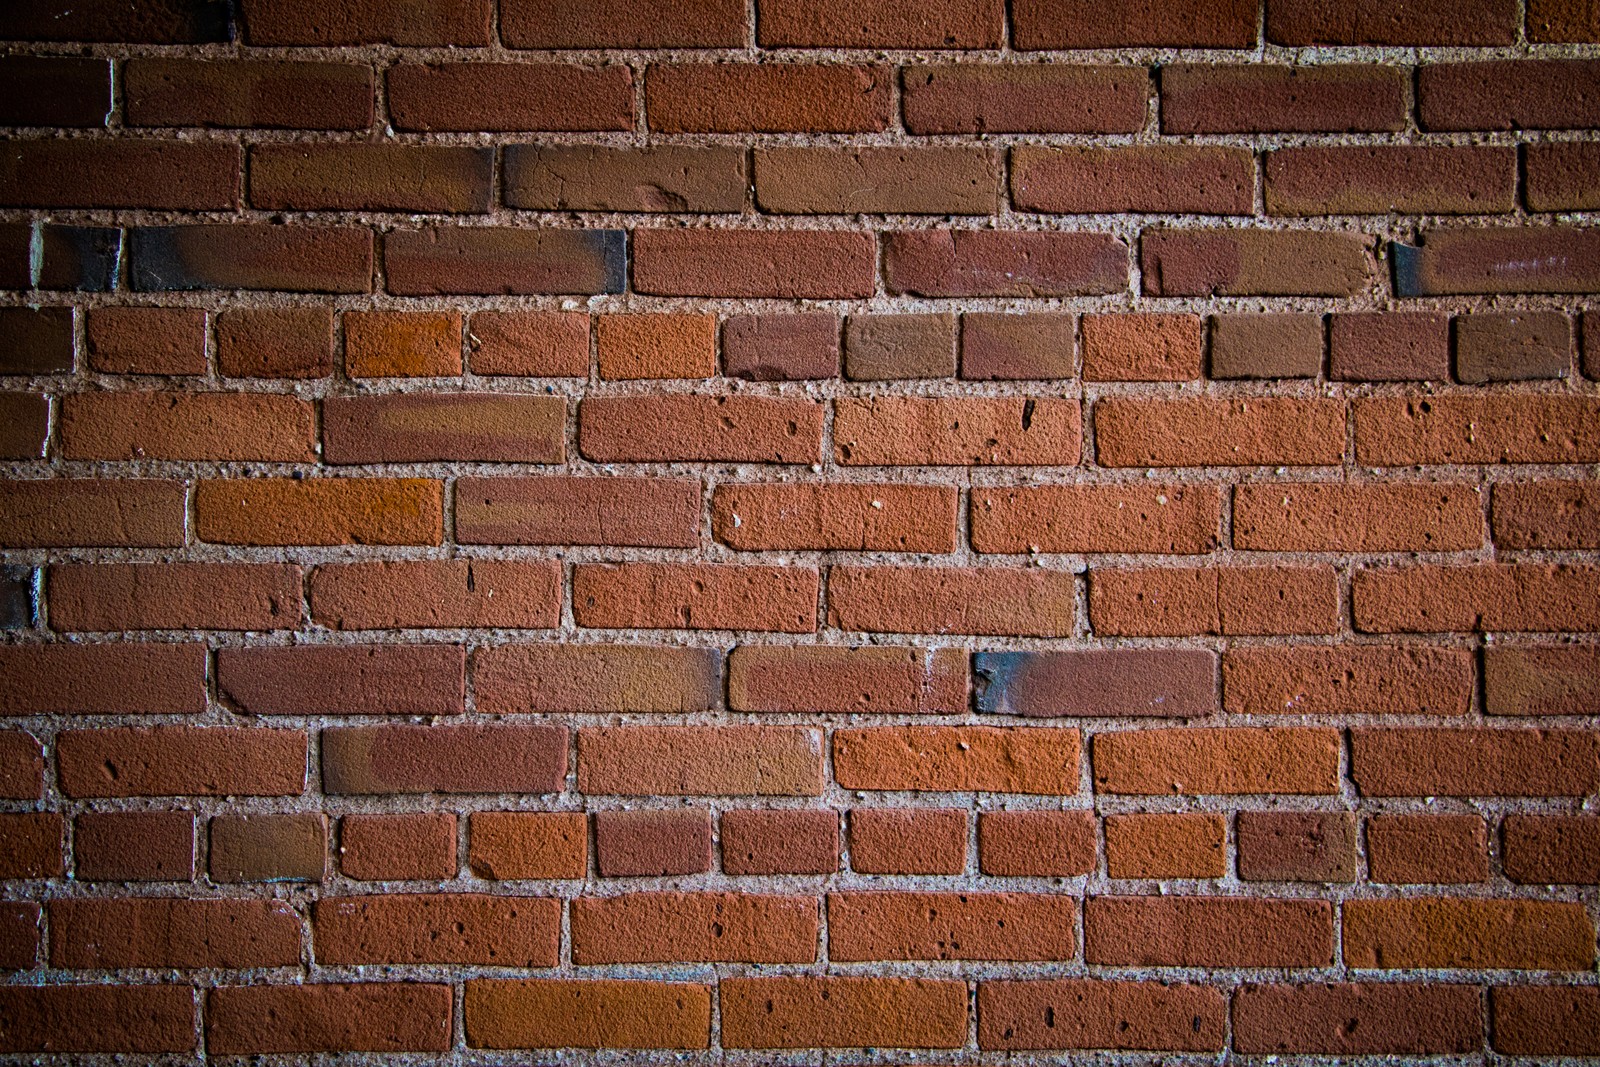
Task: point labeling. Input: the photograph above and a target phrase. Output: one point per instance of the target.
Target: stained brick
(311, 259)
(781, 347)
(890, 347)
(496, 260)
(54, 90)
(565, 677)
(1006, 346)
(26, 421)
(36, 340)
(1551, 680)
(1497, 259)
(457, 427)
(700, 760)
(470, 758)
(1103, 683)
(269, 848)
(872, 679)
(1389, 346)
(1254, 263)
(1513, 346)
(344, 679)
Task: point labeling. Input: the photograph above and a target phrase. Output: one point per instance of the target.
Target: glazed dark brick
(24, 422)
(35, 340)
(54, 90)
(167, 22)
(17, 610)
(1179, 683)
(321, 259)
(496, 260)
(79, 258)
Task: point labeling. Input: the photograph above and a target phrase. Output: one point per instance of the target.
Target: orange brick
(838, 516)
(533, 344)
(1206, 431)
(1225, 760)
(1477, 598)
(1361, 680)
(529, 844)
(942, 600)
(175, 596)
(956, 431)
(1547, 514)
(1024, 844)
(1474, 762)
(1175, 519)
(699, 596)
(437, 928)
(1141, 348)
(1182, 845)
(837, 1012)
(192, 426)
(694, 927)
(908, 840)
(320, 511)
(1355, 517)
(870, 679)
(657, 346)
(437, 594)
(1182, 601)
(381, 848)
(326, 1017)
(950, 926)
(561, 1013)
(1503, 428)
(1076, 1013)
(649, 512)
(700, 760)
(1427, 849)
(987, 759)
(1543, 935)
(402, 344)
(1207, 932)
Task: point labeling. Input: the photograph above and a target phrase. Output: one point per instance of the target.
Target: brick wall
(722, 526)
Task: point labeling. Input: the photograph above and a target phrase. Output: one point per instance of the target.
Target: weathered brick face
(738, 531)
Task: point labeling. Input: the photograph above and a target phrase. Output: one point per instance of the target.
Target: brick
(1226, 761)
(466, 758)
(269, 848)
(344, 679)
(599, 178)
(950, 926)
(1296, 846)
(690, 596)
(1523, 259)
(1372, 22)
(103, 933)
(698, 927)
(1043, 24)
(904, 841)
(1141, 348)
(21, 766)
(1474, 762)
(17, 258)
(591, 679)
(1389, 346)
(995, 601)
(174, 596)
(1212, 431)
(275, 342)
(1185, 179)
(1551, 849)
(1477, 598)
(561, 1013)
(811, 1011)
(401, 344)
(1427, 849)
(496, 260)
(98, 1018)
(430, 22)
(250, 93)
(984, 759)
(1502, 428)
(946, 262)
(620, 24)
(1176, 845)
(1008, 347)
(890, 347)
(1513, 346)
(656, 346)
(707, 429)
(324, 1017)
(174, 175)
(125, 678)
(426, 928)
(1356, 1019)
(1546, 515)
(785, 347)
(782, 841)
(124, 340)
(308, 259)
(35, 340)
(535, 344)
(1174, 519)
(1384, 179)
(1191, 601)
(631, 844)
(181, 761)
(1546, 1020)
(942, 180)
(1562, 20)
(1532, 94)
(19, 609)
(1555, 680)
(1266, 98)
(370, 177)
(874, 679)
(19, 945)
(192, 426)
(768, 98)
(1031, 844)
(915, 431)
(1357, 517)
(700, 761)
(26, 421)
(835, 24)
(529, 844)
(1352, 679)
(133, 846)
(1254, 263)
(90, 512)
(455, 427)
(510, 96)
(83, 259)
(839, 516)
(53, 91)
(785, 264)
(31, 844)
(1481, 934)
(181, 22)
(1067, 1013)
(321, 511)
(1560, 176)
(1024, 98)
(1207, 932)
(1103, 683)
(381, 848)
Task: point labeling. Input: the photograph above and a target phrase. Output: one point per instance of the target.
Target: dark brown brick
(19, 945)
(787, 264)
(269, 848)
(767, 98)
(930, 180)
(622, 24)
(168, 22)
(89, 512)
(24, 424)
(652, 843)
(475, 758)
(104, 933)
(1551, 680)
(1254, 263)
(948, 262)
(344, 679)
(1389, 179)
(1388, 346)
(1513, 346)
(839, 24)
(370, 177)
(689, 428)
(1178, 683)
(275, 342)
(1183, 179)
(1547, 1020)
(889, 347)
(510, 96)
(251, 93)
(54, 91)
(1474, 762)
(98, 1018)
(419, 22)
(781, 347)
(35, 340)
(31, 844)
(134, 846)
(1521, 94)
(1552, 849)
(178, 175)
(1427, 849)
(1272, 345)
(1263, 98)
(1296, 846)
(456, 427)
(1521, 259)
(312, 259)
(1009, 347)
(1379, 22)
(122, 678)
(1024, 98)
(1561, 176)
(1052, 24)
(490, 261)
(145, 340)
(599, 178)
(21, 766)
(779, 842)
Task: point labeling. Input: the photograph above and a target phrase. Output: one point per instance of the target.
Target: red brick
(1553, 680)
(35, 340)
(1552, 849)
(1389, 346)
(367, 1016)
(1052, 24)
(1547, 514)
(320, 511)
(535, 344)
(344, 679)
(561, 1013)
(1522, 94)
(98, 1018)
(656, 346)
(671, 178)
(998, 601)
(21, 766)
(1028, 844)
(91, 512)
(1501, 428)
(1101, 682)
(497, 260)
(370, 177)
(693, 428)
(428, 22)
(1263, 98)
(915, 431)
(1546, 1020)
(1357, 517)
(309, 259)
(19, 947)
(125, 340)
(591, 679)
(947, 262)
(851, 517)
(529, 844)
(892, 347)
(1477, 598)
(1226, 761)
(458, 427)
(1358, 1019)
(950, 926)
(510, 96)
(467, 758)
(650, 512)
(1474, 762)
(1185, 179)
(174, 596)
(1008, 346)
(779, 842)
(1185, 601)
(652, 843)
(786, 264)
(1349, 679)
(123, 678)
(694, 927)
(1296, 846)
(31, 844)
(1074, 1013)
(768, 98)
(175, 175)
(1141, 348)
(381, 848)
(695, 596)
(1427, 849)
(1510, 347)
(26, 421)
(963, 759)
(1560, 176)
(1272, 345)
(252, 93)
(1176, 845)
(502, 931)
(1521, 259)
(873, 679)
(134, 846)
(1212, 431)
(620, 24)
(432, 594)
(906, 841)
(275, 342)
(812, 1011)
(1418, 932)
(1384, 179)
(1024, 98)
(837, 24)
(102, 933)
(933, 180)
(781, 347)
(1096, 518)
(188, 426)
(1255, 263)
(181, 761)
(1207, 932)
(269, 848)
(1374, 22)
(700, 761)
(53, 91)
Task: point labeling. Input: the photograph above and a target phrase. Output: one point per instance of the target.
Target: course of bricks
(953, 531)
